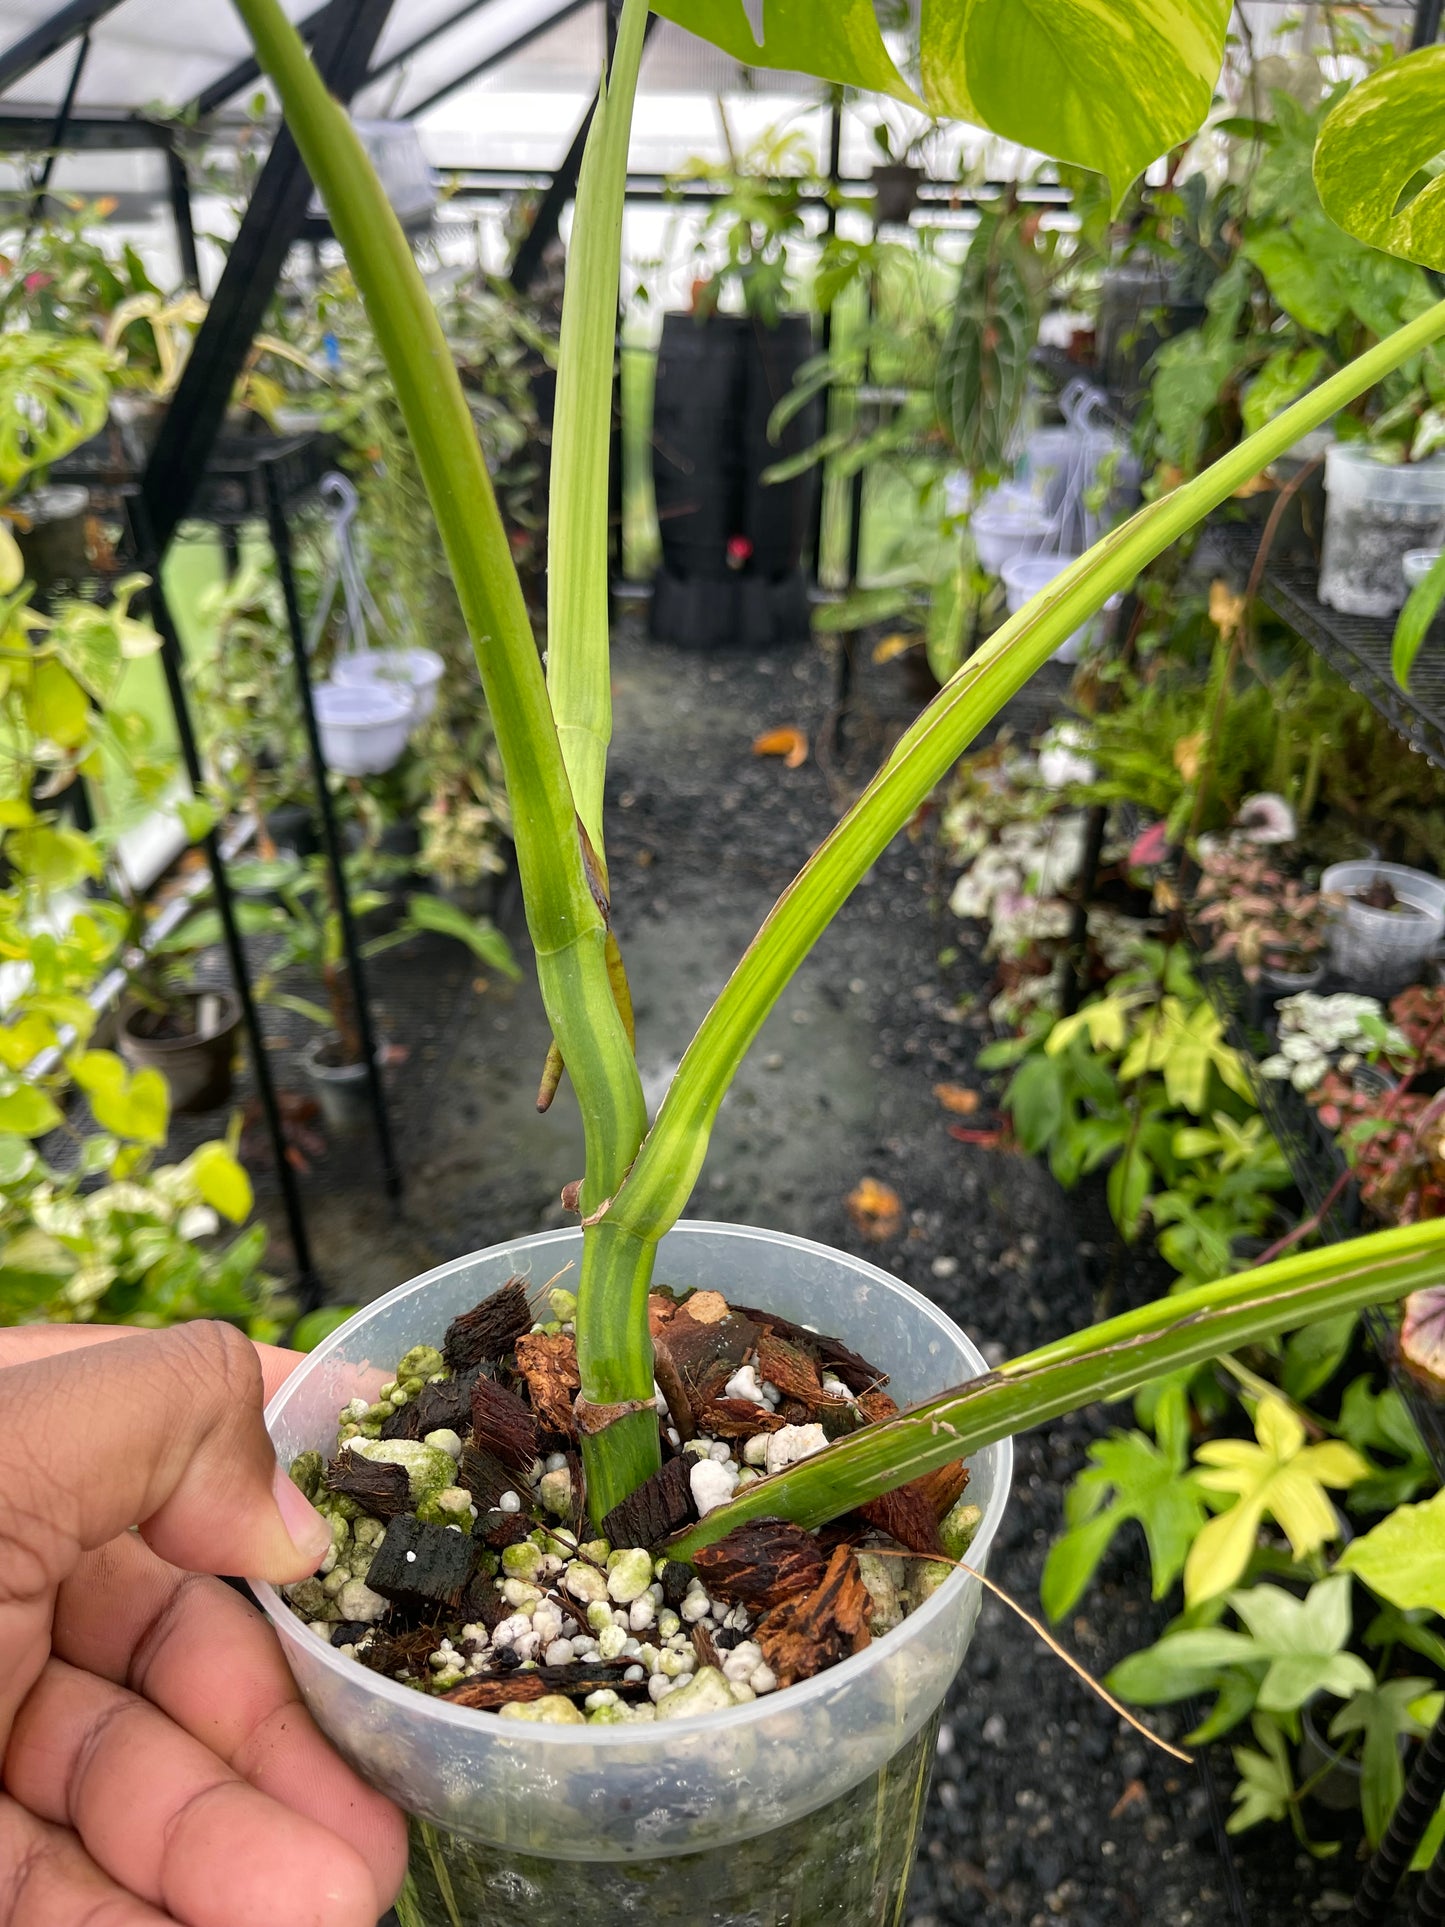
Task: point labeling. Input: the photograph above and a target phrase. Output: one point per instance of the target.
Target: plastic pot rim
(826, 1685)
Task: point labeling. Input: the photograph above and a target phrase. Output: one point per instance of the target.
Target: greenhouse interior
(723, 954)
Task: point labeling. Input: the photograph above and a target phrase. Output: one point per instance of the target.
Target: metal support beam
(495, 59)
(404, 54)
(62, 119)
(85, 133)
(179, 183)
(1427, 23)
(245, 73)
(272, 222)
(33, 49)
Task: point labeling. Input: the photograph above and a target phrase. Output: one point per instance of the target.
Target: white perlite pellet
(509, 1502)
(793, 1443)
(744, 1384)
(712, 1485)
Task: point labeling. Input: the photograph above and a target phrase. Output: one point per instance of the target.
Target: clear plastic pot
(1376, 512)
(1025, 575)
(1060, 456)
(1378, 952)
(1008, 523)
(801, 1807)
(413, 673)
(363, 729)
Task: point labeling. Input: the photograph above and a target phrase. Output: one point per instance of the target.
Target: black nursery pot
(199, 1063)
(718, 382)
(53, 546)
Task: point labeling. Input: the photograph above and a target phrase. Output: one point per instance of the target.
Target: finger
(208, 1660)
(167, 1820)
(23, 1344)
(48, 1880)
(165, 1429)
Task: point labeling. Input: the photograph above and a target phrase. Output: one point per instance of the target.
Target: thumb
(162, 1430)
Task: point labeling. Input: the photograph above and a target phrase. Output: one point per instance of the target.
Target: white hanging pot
(1008, 523)
(363, 728)
(414, 673)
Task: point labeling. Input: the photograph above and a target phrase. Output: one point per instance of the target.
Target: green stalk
(1104, 1362)
(578, 679)
(567, 927)
(662, 1179)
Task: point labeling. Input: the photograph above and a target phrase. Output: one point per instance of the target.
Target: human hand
(158, 1765)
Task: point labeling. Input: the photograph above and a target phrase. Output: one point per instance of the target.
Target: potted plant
(169, 1024)
(1276, 930)
(1377, 510)
(1390, 919)
(639, 1174)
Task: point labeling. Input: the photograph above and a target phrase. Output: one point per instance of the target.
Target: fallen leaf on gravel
(987, 1140)
(892, 647)
(876, 1209)
(957, 1098)
(790, 744)
(1133, 1795)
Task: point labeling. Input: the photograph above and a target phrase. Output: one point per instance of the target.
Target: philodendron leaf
(1110, 88)
(1403, 1559)
(838, 42)
(1422, 605)
(1128, 1477)
(1374, 150)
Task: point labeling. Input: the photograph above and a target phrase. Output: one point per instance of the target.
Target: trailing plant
(743, 249)
(553, 733)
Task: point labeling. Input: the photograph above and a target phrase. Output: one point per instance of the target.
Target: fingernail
(305, 1527)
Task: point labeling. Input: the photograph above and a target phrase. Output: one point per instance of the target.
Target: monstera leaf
(1374, 163)
(1108, 87)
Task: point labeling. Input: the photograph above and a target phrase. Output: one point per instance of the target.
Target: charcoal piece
(834, 1356)
(489, 1330)
(382, 1490)
(420, 1566)
(482, 1604)
(659, 1506)
(677, 1576)
(485, 1477)
(503, 1426)
(593, 1676)
(446, 1407)
(727, 1638)
(548, 1362)
(349, 1632)
(761, 1564)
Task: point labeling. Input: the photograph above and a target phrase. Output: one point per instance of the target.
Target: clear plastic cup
(1379, 952)
(824, 1782)
(413, 673)
(1376, 512)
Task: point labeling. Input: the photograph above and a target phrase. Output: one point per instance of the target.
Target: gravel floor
(1045, 1807)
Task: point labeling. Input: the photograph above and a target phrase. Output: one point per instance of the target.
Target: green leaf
(1280, 1477)
(222, 1181)
(56, 707)
(1035, 1100)
(1384, 1714)
(1303, 1641)
(1282, 379)
(839, 42)
(309, 1331)
(28, 1112)
(1422, 605)
(53, 859)
(1371, 150)
(1128, 1477)
(198, 817)
(1314, 1355)
(1127, 1187)
(1106, 88)
(1266, 1786)
(134, 1106)
(54, 395)
(482, 938)
(1403, 1558)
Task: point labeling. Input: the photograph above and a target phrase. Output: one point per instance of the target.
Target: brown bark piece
(659, 1506)
(508, 1529)
(381, 1490)
(944, 1488)
(805, 1635)
(789, 1367)
(877, 1407)
(489, 1692)
(485, 1477)
(762, 1564)
(548, 1362)
(856, 1372)
(737, 1418)
(697, 1342)
(403, 1653)
(502, 1425)
(907, 1515)
(489, 1330)
(436, 1408)
(705, 1646)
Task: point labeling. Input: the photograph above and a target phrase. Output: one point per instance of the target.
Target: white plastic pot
(1376, 512)
(1022, 580)
(363, 727)
(1417, 565)
(1378, 952)
(414, 673)
(1062, 455)
(802, 1806)
(1008, 523)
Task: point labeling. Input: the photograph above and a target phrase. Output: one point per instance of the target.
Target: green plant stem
(667, 1166)
(568, 931)
(1104, 1362)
